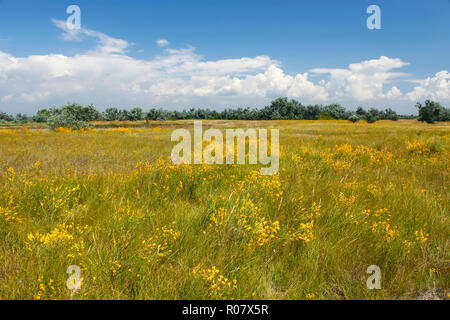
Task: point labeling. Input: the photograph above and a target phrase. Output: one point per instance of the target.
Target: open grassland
(347, 196)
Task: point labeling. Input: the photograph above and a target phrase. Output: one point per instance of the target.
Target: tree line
(76, 116)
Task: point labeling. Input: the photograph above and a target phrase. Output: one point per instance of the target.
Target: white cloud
(107, 44)
(107, 76)
(162, 42)
(394, 93)
(363, 81)
(435, 88)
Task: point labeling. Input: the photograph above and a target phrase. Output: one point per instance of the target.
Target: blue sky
(223, 53)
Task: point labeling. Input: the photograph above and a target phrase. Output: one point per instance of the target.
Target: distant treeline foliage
(76, 116)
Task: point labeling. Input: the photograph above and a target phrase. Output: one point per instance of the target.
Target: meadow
(347, 196)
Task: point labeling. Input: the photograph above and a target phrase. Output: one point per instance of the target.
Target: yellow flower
(214, 281)
(310, 296)
(421, 236)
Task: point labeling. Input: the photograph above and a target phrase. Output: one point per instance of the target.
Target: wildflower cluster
(264, 185)
(218, 286)
(263, 232)
(64, 130)
(58, 236)
(63, 236)
(345, 201)
(115, 267)
(60, 197)
(421, 236)
(9, 213)
(247, 221)
(373, 189)
(250, 220)
(44, 288)
(346, 155)
(381, 223)
(160, 244)
(418, 147)
(218, 219)
(304, 221)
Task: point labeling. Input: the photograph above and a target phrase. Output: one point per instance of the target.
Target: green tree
(71, 115)
(136, 114)
(111, 114)
(430, 111)
(354, 118)
(41, 116)
(6, 117)
(336, 111)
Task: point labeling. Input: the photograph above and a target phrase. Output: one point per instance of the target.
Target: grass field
(347, 196)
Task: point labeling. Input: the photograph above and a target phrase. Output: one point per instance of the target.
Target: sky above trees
(217, 54)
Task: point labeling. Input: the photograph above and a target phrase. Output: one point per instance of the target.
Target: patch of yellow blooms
(216, 283)
(160, 244)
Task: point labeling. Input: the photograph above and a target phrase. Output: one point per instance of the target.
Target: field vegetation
(347, 196)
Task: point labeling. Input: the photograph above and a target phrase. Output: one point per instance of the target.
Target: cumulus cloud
(435, 88)
(162, 42)
(365, 80)
(106, 76)
(394, 93)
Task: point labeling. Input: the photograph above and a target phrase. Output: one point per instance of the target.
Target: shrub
(72, 116)
(432, 111)
(21, 118)
(6, 117)
(354, 118)
(371, 118)
(326, 116)
(136, 114)
(389, 114)
(111, 114)
(336, 111)
(41, 116)
(361, 112)
(65, 119)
